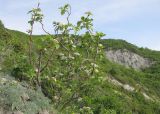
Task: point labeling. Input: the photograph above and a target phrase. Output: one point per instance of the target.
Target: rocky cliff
(128, 59)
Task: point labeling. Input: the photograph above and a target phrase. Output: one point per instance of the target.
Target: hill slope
(150, 69)
(120, 89)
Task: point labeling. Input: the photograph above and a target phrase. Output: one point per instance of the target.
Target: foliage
(71, 69)
(1, 24)
(62, 65)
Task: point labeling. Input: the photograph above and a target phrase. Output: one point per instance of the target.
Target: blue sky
(137, 21)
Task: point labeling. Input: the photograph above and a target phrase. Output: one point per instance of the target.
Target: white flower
(56, 97)
(71, 42)
(47, 77)
(87, 108)
(36, 69)
(77, 54)
(61, 54)
(73, 46)
(94, 65)
(53, 78)
(80, 99)
(45, 49)
(63, 58)
(96, 70)
(61, 23)
(61, 74)
(100, 45)
(55, 41)
(71, 57)
(87, 71)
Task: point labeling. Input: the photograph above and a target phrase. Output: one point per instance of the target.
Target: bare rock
(18, 112)
(43, 112)
(25, 97)
(10, 112)
(128, 59)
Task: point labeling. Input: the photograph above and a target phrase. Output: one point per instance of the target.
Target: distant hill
(129, 82)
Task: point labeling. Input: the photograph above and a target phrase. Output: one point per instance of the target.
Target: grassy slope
(115, 98)
(11, 90)
(150, 77)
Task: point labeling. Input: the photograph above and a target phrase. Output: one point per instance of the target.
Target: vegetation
(18, 96)
(71, 70)
(122, 44)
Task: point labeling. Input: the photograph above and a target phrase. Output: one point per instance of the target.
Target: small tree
(63, 63)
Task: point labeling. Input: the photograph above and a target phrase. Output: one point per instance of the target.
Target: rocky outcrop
(117, 83)
(19, 98)
(128, 59)
(127, 87)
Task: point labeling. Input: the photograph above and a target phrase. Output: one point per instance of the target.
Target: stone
(128, 59)
(18, 112)
(25, 97)
(43, 112)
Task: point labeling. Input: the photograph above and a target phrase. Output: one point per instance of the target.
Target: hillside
(143, 61)
(117, 89)
(19, 98)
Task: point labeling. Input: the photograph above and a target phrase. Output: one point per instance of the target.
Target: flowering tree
(61, 64)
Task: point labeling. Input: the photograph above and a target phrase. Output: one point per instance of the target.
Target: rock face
(128, 59)
(19, 98)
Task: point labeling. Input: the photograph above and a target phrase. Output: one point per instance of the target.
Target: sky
(136, 21)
